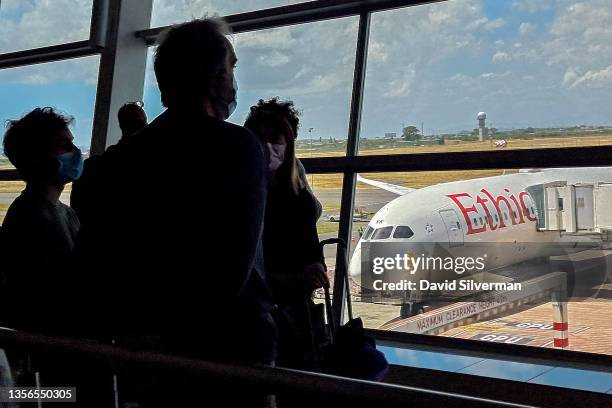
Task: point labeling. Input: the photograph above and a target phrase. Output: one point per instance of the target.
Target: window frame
(402, 228)
(383, 230)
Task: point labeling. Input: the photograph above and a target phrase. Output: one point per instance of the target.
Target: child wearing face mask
(293, 257)
(38, 232)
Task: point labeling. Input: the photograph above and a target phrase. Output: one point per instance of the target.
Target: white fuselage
(485, 210)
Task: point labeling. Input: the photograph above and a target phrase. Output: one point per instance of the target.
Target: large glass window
(328, 190)
(492, 255)
(69, 86)
(166, 12)
(488, 75)
(310, 64)
(26, 24)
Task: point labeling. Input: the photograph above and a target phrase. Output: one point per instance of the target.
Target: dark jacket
(291, 240)
(36, 243)
(171, 224)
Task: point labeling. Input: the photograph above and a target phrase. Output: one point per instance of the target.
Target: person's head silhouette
(275, 123)
(40, 145)
(132, 118)
(194, 66)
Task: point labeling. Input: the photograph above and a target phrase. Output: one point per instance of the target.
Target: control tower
(482, 127)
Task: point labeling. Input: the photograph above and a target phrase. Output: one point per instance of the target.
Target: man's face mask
(231, 106)
(70, 166)
(277, 155)
(228, 99)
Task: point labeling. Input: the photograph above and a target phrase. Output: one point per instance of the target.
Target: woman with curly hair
(293, 257)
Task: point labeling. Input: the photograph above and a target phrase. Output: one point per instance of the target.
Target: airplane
(491, 210)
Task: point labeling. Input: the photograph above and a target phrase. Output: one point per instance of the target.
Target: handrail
(272, 379)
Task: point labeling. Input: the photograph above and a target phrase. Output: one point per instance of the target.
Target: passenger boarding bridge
(575, 209)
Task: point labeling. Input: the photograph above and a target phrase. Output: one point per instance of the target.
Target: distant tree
(530, 130)
(411, 133)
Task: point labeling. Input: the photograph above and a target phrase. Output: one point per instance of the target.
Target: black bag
(348, 351)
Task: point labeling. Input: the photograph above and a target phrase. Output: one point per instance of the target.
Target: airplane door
(453, 227)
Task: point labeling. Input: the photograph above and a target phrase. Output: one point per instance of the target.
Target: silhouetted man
(132, 118)
(172, 218)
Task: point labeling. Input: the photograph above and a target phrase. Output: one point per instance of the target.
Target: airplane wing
(395, 189)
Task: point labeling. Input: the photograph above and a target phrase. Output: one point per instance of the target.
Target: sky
(539, 63)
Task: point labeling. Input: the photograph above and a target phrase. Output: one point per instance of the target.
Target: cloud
(377, 52)
(41, 22)
(275, 39)
(501, 56)
(590, 79)
(581, 34)
(166, 12)
(485, 23)
(532, 6)
(493, 75)
(11, 5)
(495, 24)
(459, 78)
(570, 77)
(402, 86)
(273, 59)
(527, 28)
(321, 83)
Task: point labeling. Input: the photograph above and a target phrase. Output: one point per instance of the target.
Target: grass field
(392, 147)
(418, 179)
(11, 186)
(325, 227)
(3, 209)
(18, 186)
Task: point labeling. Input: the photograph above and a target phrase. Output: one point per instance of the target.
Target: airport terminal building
(291, 203)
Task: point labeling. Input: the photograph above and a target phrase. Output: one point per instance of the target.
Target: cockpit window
(382, 233)
(403, 232)
(368, 233)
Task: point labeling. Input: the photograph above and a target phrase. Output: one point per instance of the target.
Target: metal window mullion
(352, 146)
(122, 68)
(47, 54)
(99, 23)
(105, 79)
(9, 175)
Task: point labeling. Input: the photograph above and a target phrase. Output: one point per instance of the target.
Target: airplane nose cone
(355, 264)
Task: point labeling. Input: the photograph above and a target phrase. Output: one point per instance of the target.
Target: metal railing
(273, 380)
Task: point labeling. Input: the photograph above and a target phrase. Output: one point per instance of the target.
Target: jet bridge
(576, 209)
